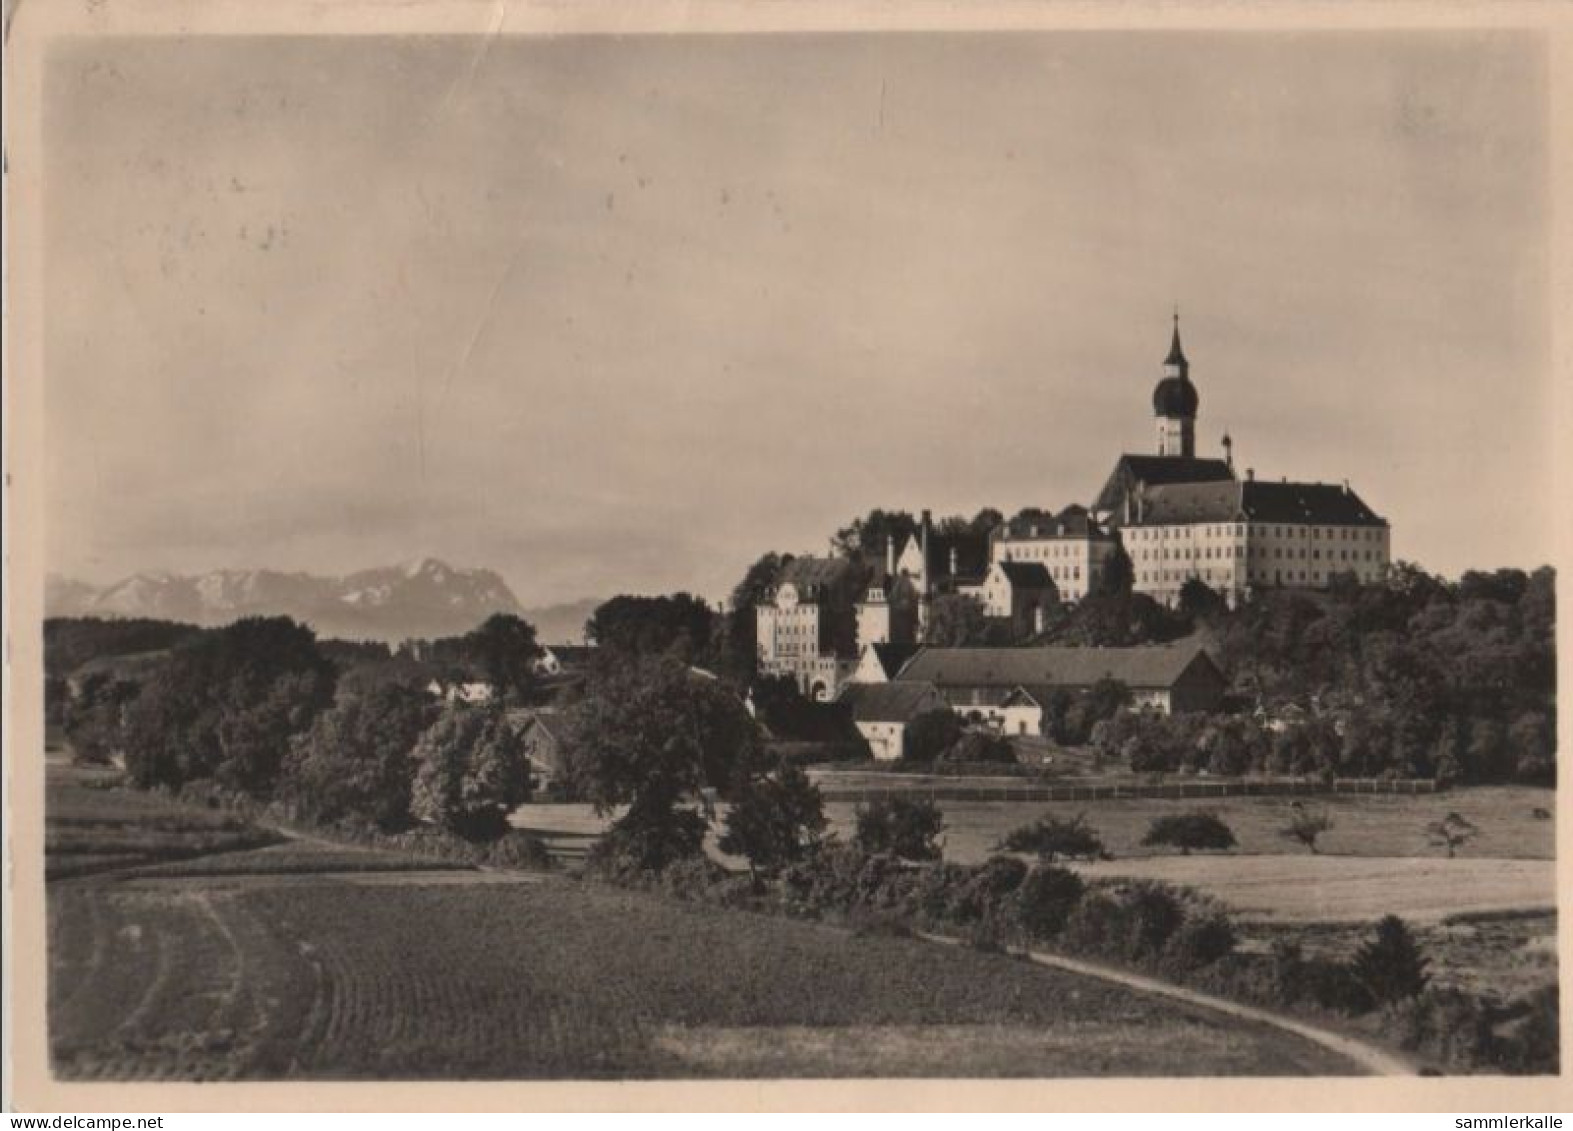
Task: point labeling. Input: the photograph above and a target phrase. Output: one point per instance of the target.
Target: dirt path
(1377, 1061)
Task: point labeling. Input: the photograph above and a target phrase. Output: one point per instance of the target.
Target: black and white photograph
(594, 552)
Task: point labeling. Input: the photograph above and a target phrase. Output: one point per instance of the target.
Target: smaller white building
(882, 711)
(472, 692)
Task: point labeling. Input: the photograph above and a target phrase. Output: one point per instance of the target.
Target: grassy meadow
(299, 960)
(1363, 825)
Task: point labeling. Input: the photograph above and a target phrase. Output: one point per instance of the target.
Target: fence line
(1170, 790)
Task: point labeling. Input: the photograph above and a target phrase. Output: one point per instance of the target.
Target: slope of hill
(425, 598)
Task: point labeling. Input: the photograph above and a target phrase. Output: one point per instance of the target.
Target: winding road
(1374, 1059)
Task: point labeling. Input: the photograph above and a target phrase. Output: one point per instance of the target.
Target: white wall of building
(1232, 556)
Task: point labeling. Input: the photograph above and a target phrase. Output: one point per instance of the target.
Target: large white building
(1181, 517)
(1176, 515)
(1071, 546)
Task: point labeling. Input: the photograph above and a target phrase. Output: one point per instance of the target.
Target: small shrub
(979, 748)
(944, 893)
(692, 879)
(1187, 831)
(1201, 941)
(1307, 827)
(1130, 920)
(1445, 1024)
(1095, 924)
(1533, 1045)
(1452, 832)
(838, 877)
(1155, 915)
(903, 826)
(517, 849)
(1044, 901)
(1052, 837)
(1322, 982)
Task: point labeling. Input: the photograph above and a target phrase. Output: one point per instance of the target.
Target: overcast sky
(621, 314)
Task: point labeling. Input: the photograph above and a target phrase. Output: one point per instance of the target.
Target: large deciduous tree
(680, 625)
(504, 651)
(657, 737)
(956, 621)
(867, 537)
(357, 758)
(775, 820)
(470, 772)
(226, 706)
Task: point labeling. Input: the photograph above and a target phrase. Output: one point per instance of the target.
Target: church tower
(1174, 402)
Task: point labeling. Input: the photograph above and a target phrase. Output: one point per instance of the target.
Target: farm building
(470, 691)
(564, 659)
(537, 728)
(1010, 686)
(881, 712)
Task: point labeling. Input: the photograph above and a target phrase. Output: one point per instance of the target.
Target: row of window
(1331, 533)
(1274, 576)
(1190, 553)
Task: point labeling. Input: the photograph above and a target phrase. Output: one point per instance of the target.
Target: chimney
(1250, 475)
(1346, 486)
(953, 559)
(890, 554)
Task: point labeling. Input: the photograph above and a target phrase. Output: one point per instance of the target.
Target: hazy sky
(621, 314)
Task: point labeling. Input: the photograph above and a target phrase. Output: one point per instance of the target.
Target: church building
(1181, 517)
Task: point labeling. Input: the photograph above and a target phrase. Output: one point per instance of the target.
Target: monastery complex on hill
(1178, 517)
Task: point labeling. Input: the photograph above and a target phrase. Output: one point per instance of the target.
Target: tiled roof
(808, 572)
(1326, 504)
(1147, 667)
(1317, 504)
(890, 702)
(1155, 471)
(893, 657)
(1072, 522)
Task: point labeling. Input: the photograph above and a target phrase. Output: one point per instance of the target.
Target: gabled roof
(1153, 667)
(813, 573)
(1027, 575)
(893, 657)
(1073, 522)
(1326, 504)
(1155, 471)
(1318, 504)
(890, 702)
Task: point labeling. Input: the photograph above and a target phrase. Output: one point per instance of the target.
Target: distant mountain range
(423, 598)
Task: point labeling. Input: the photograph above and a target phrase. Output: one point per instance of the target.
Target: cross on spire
(1176, 354)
